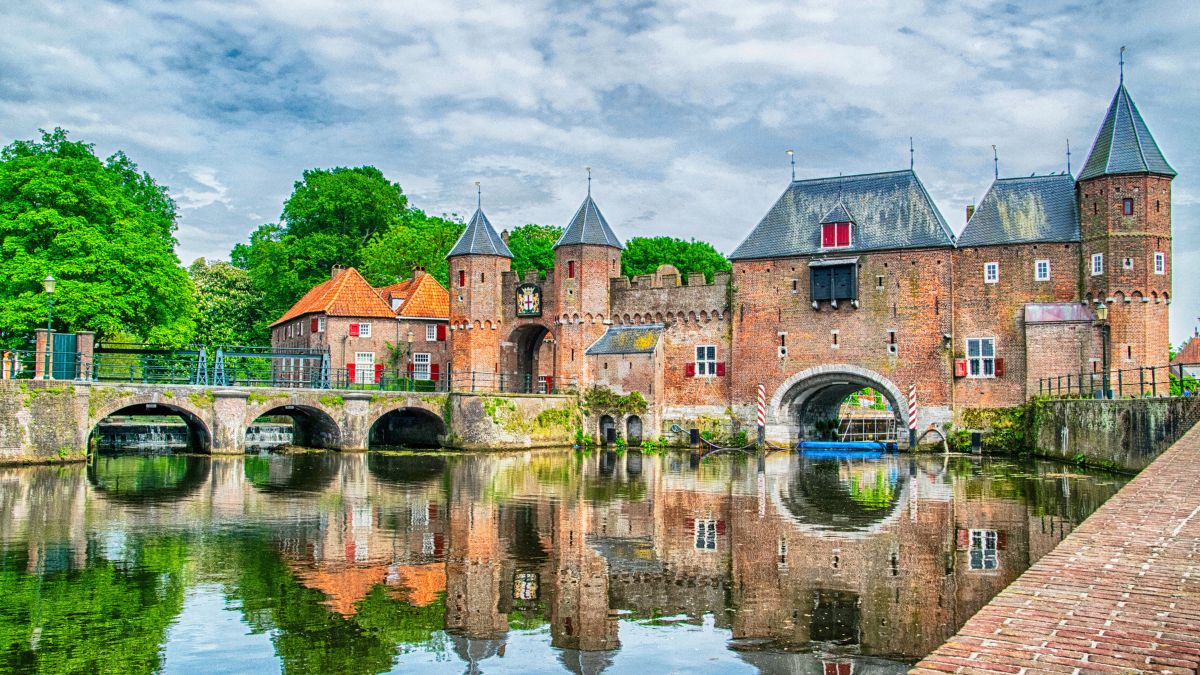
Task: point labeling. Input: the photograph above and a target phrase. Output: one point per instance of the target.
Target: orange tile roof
(425, 297)
(343, 585)
(347, 294)
(1189, 354)
(422, 583)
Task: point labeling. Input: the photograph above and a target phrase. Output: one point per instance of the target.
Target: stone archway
(816, 394)
(528, 359)
(199, 437)
(406, 426)
(312, 427)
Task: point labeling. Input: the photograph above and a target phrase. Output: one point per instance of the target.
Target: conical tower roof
(480, 238)
(1124, 144)
(589, 227)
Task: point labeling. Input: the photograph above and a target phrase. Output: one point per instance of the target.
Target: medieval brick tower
(1124, 196)
(477, 261)
(586, 258)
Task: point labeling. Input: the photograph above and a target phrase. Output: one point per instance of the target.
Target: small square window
(706, 360)
(991, 272)
(1160, 263)
(321, 325)
(981, 357)
(364, 330)
(1097, 264)
(983, 550)
(1041, 270)
(431, 332)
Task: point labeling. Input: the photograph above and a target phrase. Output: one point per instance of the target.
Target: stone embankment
(1121, 594)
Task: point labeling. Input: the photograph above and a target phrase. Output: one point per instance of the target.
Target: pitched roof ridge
(937, 213)
(869, 174)
(1136, 134)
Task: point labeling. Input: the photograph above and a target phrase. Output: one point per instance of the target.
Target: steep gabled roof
(627, 340)
(425, 298)
(588, 226)
(891, 210)
(838, 214)
(347, 294)
(1124, 144)
(1024, 210)
(480, 238)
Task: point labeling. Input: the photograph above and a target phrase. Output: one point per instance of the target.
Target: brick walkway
(1121, 594)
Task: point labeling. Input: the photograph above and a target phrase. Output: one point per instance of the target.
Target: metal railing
(1143, 382)
(510, 383)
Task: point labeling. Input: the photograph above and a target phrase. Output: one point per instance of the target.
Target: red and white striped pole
(912, 416)
(762, 413)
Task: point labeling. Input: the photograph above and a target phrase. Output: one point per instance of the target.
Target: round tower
(477, 262)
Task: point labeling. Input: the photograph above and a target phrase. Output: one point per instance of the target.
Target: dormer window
(835, 235)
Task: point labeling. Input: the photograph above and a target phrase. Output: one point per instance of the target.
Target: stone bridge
(54, 420)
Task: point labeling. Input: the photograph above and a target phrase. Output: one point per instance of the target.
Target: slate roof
(1190, 354)
(347, 294)
(1022, 210)
(628, 340)
(480, 238)
(890, 210)
(1124, 143)
(588, 226)
(422, 296)
(838, 214)
(1055, 312)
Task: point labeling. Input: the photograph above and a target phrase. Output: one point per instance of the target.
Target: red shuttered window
(378, 372)
(312, 325)
(835, 235)
(462, 277)
(353, 330)
(441, 332)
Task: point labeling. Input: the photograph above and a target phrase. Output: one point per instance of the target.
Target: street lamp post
(1102, 316)
(48, 285)
(411, 367)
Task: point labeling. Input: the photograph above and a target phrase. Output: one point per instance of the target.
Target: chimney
(970, 211)
(504, 236)
(418, 271)
(337, 269)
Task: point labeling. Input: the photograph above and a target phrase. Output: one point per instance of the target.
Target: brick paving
(1121, 594)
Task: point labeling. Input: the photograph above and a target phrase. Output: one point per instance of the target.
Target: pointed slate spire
(1124, 144)
(480, 239)
(838, 214)
(589, 227)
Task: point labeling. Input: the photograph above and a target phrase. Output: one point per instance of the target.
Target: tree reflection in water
(367, 563)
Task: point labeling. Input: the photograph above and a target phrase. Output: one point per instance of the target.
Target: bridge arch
(199, 431)
(405, 425)
(817, 393)
(147, 480)
(312, 425)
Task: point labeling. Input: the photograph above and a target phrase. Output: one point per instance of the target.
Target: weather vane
(589, 171)
(792, 154)
(478, 196)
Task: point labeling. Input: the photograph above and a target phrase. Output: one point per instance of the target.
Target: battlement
(655, 297)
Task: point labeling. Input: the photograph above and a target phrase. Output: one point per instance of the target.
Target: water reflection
(321, 562)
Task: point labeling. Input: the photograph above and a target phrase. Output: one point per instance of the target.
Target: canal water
(528, 562)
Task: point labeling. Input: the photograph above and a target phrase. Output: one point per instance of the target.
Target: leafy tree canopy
(532, 247)
(104, 230)
(417, 240)
(227, 305)
(643, 255)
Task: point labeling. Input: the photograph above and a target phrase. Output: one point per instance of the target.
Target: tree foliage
(104, 230)
(227, 305)
(643, 255)
(417, 240)
(532, 247)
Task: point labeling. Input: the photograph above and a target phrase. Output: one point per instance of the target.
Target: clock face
(529, 300)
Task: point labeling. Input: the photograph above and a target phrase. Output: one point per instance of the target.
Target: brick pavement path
(1121, 594)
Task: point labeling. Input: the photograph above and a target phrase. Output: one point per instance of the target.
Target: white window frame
(706, 361)
(1097, 264)
(1160, 262)
(431, 332)
(706, 534)
(983, 553)
(320, 324)
(364, 375)
(1038, 266)
(364, 329)
(981, 365)
(421, 370)
(835, 244)
(991, 272)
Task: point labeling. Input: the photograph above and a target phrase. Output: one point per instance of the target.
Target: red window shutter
(410, 369)
(439, 544)
(433, 372)
(462, 277)
(433, 511)
(827, 235)
(1001, 540)
(378, 372)
(720, 369)
(350, 371)
(690, 524)
(441, 332)
(570, 269)
(549, 383)
(689, 369)
(312, 325)
(353, 330)
(960, 367)
(964, 539)
(843, 234)
(999, 367)
(720, 527)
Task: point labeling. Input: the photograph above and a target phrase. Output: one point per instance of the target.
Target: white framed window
(421, 366)
(984, 550)
(321, 324)
(300, 328)
(431, 332)
(1160, 262)
(991, 272)
(364, 367)
(706, 360)
(1097, 264)
(1041, 270)
(364, 330)
(981, 357)
(706, 534)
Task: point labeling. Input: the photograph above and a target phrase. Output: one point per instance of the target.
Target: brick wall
(582, 302)
(1060, 348)
(476, 312)
(342, 346)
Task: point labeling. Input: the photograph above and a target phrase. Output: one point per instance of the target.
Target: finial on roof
(995, 162)
(911, 155)
(1068, 155)
(589, 170)
(478, 196)
(1122, 64)
(792, 156)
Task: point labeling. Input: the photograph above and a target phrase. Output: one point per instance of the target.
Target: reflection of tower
(473, 558)
(477, 261)
(586, 258)
(579, 614)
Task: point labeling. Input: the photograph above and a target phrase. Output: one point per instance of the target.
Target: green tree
(417, 240)
(227, 305)
(104, 230)
(532, 247)
(643, 255)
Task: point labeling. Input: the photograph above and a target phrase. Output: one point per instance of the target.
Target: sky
(684, 109)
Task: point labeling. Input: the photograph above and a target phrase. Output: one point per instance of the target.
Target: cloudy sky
(684, 108)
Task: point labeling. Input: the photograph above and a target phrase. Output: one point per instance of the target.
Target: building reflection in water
(827, 563)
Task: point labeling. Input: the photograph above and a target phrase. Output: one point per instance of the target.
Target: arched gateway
(815, 395)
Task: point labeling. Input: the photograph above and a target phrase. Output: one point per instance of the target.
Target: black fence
(1144, 382)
